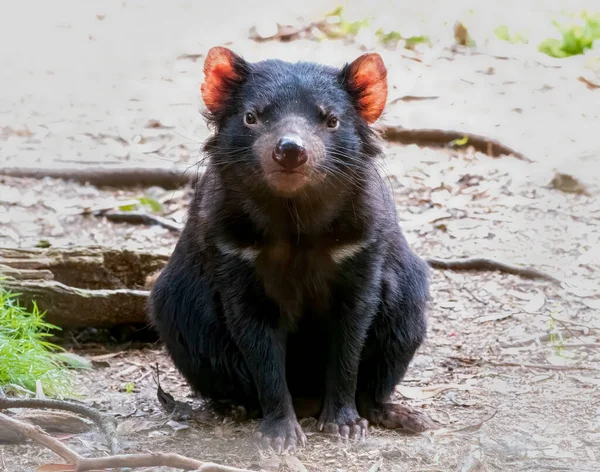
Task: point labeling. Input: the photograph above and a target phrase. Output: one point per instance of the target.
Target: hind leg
(186, 315)
(396, 333)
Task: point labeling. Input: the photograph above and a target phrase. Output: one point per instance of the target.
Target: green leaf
(575, 38)
(337, 11)
(387, 38)
(412, 41)
(460, 142)
(154, 205)
(131, 207)
(502, 33)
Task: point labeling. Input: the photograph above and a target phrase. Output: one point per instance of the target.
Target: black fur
(292, 325)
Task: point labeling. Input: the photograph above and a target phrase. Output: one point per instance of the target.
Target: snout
(290, 152)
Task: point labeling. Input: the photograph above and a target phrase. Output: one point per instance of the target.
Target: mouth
(287, 181)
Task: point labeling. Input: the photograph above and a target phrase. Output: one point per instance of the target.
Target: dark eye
(333, 123)
(250, 119)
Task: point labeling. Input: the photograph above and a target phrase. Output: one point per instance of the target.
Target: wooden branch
(484, 264)
(104, 422)
(110, 176)
(136, 218)
(84, 464)
(442, 138)
(541, 366)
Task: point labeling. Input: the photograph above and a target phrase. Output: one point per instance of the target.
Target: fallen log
(82, 287)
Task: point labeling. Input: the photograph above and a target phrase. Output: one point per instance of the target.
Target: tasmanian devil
(292, 290)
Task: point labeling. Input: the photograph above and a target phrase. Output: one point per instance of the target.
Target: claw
(281, 436)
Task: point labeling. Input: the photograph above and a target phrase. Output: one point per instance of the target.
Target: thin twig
(485, 264)
(104, 422)
(540, 366)
(84, 464)
(135, 217)
(443, 138)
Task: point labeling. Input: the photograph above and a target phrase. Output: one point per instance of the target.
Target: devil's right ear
(223, 71)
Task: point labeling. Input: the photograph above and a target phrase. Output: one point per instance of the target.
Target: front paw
(343, 421)
(282, 434)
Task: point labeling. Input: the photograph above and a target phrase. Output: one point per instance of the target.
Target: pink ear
(368, 78)
(219, 73)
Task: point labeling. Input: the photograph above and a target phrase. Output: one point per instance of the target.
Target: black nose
(290, 153)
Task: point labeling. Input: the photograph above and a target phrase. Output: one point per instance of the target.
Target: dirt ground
(511, 366)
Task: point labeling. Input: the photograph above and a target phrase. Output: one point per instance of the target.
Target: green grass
(25, 354)
(575, 38)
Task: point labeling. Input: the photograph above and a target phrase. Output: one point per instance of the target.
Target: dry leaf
(422, 219)
(103, 357)
(475, 427)
(591, 85)
(461, 34)
(294, 464)
(560, 360)
(39, 390)
(134, 426)
(588, 380)
(191, 57)
(555, 452)
(271, 463)
(176, 426)
(501, 316)
(377, 466)
(567, 183)
(421, 393)
(594, 303)
(536, 303)
(126, 372)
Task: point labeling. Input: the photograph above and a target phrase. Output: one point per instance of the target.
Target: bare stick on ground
(485, 264)
(540, 366)
(110, 176)
(83, 464)
(135, 217)
(442, 138)
(104, 422)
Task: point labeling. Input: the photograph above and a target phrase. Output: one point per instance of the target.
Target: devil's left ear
(223, 71)
(366, 80)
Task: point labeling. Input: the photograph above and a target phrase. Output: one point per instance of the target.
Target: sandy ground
(510, 368)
